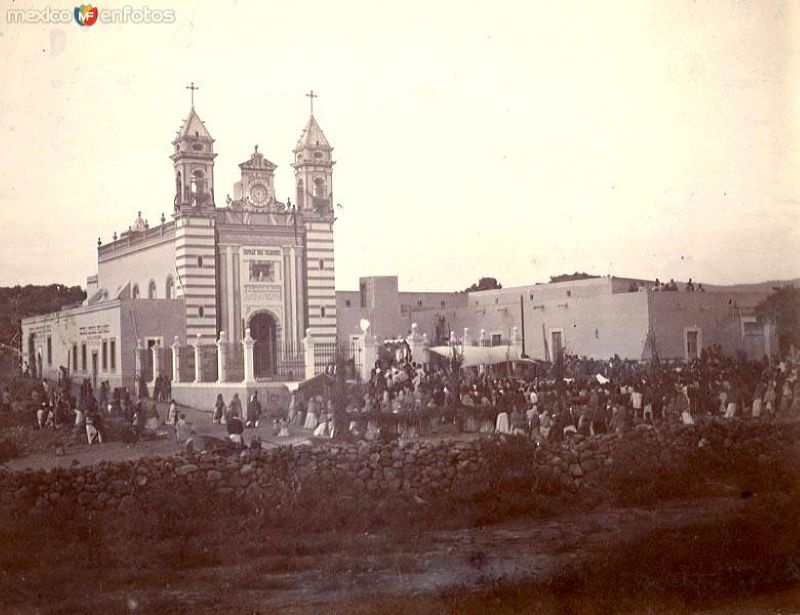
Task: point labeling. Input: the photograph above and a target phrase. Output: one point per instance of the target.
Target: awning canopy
(480, 355)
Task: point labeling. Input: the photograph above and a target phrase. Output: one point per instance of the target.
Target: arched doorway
(264, 331)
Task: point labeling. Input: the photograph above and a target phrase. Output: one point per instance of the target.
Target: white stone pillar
(247, 346)
(157, 367)
(369, 355)
(415, 343)
(293, 286)
(482, 338)
(465, 341)
(222, 357)
(176, 360)
(308, 345)
(198, 359)
(231, 292)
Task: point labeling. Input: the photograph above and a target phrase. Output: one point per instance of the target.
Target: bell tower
(313, 171)
(313, 167)
(193, 159)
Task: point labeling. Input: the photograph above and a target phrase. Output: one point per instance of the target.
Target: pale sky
(516, 140)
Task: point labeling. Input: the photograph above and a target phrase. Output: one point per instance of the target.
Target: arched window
(321, 264)
(301, 194)
(319, 188)
(151, 290)
(169, 288)
(135, 291)
(322, 312)
(199, 261)
(198, 186)
(201, 311)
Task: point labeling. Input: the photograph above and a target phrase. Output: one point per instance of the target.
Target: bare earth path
(371, 567)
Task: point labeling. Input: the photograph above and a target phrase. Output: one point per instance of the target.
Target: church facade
(238, 285)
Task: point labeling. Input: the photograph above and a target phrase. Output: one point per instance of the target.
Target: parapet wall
(418, 468)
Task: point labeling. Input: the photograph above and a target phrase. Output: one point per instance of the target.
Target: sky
(516, 140)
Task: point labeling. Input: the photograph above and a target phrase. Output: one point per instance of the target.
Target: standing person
(235, 429)
(311, 414)
(235, 407)
(172, 421)
(253, 410)
(41, 415)
(93, 434)
(292, 408)
(219, 410)
(182, 429)
(80, 420)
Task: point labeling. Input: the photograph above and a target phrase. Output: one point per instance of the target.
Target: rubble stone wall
(416, 467)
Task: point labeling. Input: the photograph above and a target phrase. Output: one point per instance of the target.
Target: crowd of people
(587, 397)
(671, 286)
(404, 398)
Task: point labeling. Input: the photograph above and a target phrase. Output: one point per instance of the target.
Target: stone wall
(417, 468)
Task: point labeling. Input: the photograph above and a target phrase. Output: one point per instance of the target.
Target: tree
(782, 310)
(484, 284)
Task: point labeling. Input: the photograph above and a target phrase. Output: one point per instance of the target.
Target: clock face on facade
(259, 194)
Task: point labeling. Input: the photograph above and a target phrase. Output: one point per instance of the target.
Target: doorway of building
(693, 344)
(32, 354)
(264, 331)
(94, 369)
(557, 342)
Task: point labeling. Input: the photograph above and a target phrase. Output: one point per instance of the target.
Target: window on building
(569, 293)
(322, 311)
(319, 188)
(441, 303)
(362, 291)
(169, 288)
(347, 303)
(49, 350)
(198, 186)
(83, 357)
(301, 194)
(112, 351)
(261, 271)
(200, 261)
(201, 311)
(74, 357)
(104, 356)
(151, 290)
(135, 291)
(497, 339)
(321, 264)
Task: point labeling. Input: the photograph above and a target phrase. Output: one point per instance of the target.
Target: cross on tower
(312, 96)
(192, 87)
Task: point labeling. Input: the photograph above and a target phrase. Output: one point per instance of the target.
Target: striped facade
(196, 265)
(320, 275)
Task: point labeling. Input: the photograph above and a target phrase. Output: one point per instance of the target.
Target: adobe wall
(417, 468)
(717, 314)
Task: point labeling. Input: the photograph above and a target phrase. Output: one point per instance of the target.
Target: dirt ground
(373, 574)
(200, 420)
